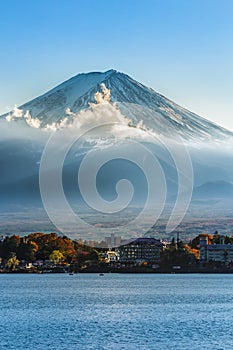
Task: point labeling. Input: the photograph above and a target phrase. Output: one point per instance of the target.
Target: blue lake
(116, 311)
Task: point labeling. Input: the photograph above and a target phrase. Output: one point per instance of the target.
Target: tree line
(41, 246)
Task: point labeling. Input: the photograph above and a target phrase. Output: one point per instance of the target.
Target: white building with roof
(215, 252)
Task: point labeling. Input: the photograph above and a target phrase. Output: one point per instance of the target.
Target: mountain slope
(22, 144)
(135, 101)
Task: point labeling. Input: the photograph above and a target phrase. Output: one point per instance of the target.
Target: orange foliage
(195, 252)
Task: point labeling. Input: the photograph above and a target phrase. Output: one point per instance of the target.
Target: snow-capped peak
(135, 101)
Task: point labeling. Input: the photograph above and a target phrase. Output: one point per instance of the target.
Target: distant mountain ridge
(136, 101)
(216, 189)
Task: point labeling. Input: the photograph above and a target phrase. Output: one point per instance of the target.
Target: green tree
(9, 246)
(12, 263)
(26, 251)
(56, 257)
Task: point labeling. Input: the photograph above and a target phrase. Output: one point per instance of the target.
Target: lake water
(116, 311)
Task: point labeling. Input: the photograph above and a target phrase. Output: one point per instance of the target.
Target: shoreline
(125, 271)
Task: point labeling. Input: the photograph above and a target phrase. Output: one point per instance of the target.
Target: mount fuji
(134, 100)
(112, 96)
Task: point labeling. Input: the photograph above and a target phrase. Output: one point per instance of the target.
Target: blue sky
(181, 48)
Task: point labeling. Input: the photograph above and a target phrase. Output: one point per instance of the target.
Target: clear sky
(181, 48)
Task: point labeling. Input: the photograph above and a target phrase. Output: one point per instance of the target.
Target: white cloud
(102, 112)
(33, 122)
(104, 95)
(16, 113)
(19, 113)
(68, 111)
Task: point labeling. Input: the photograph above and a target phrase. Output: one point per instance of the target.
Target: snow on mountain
(123, 107)
(134, 100)
(84, 100)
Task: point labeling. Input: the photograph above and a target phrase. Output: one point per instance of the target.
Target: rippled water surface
(116, 311)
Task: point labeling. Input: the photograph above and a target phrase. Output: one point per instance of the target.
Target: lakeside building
(215, 252)
(110, 256)
(141, 250)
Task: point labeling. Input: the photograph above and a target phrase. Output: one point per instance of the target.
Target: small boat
(101, 274)
(71, 273)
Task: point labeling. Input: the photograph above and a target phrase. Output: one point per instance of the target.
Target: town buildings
(215, 252)
(112, 241)
(141, 250)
